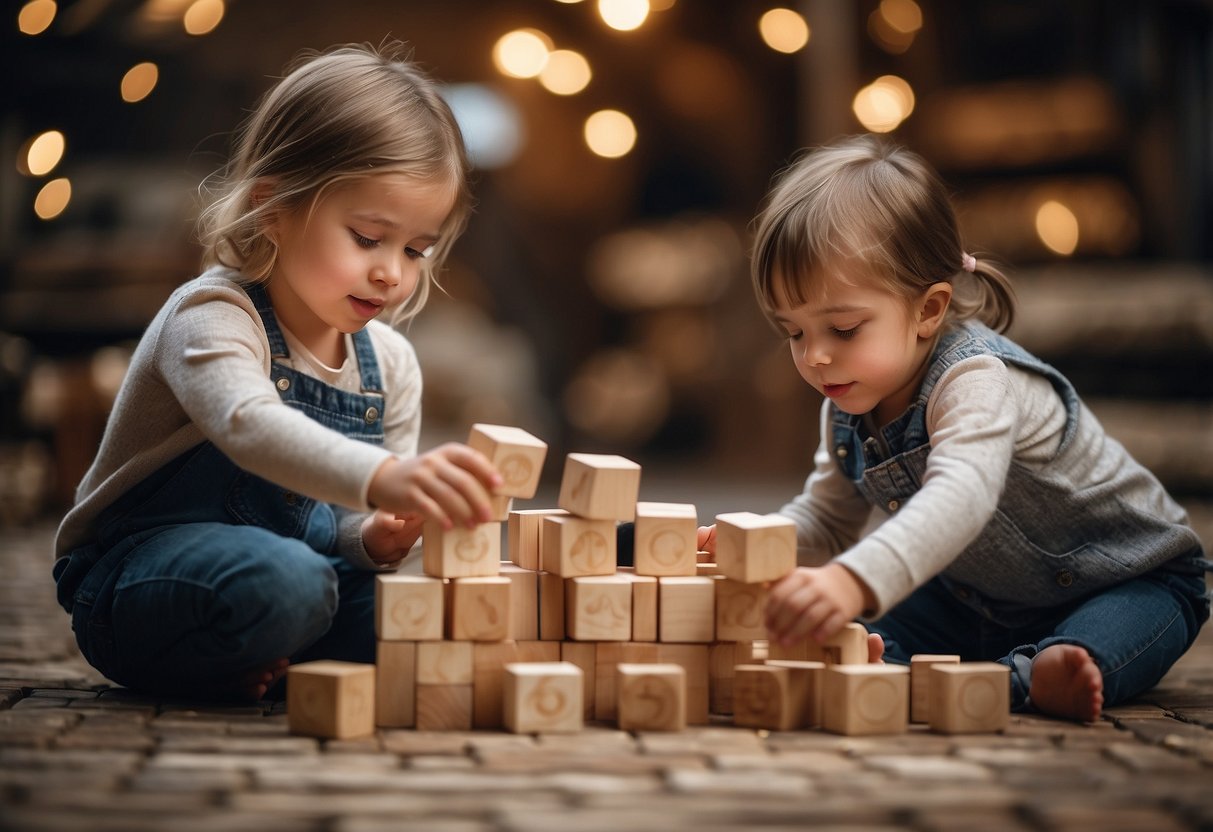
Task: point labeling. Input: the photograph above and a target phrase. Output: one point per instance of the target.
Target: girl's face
(862, 346)
(353, 254)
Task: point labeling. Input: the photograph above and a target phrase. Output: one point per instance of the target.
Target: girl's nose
(815, 356)
(388, 272)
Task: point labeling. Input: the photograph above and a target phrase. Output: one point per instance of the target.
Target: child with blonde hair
(1014, 529)
(260, 465)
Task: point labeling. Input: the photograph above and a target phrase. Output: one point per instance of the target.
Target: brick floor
(78, 754)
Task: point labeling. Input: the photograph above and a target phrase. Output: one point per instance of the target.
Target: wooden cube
(723, 656)
(753, 548)
(665, 542)
(644, 606)
(862, 699)
(543, 697)
(524, 601)
(444, 707)
(444, 663)
(584, 654)
(651, 697)
(805, 683)
(740, 610)
(848, 646)
(920, 683)
(599, 486)
(575, 546)
(609, 655)
(694, 660)
(331, 699)
(408, 608)
(395, 684)
(525, 532)
(777, 698)
(489, 659)
(478, 609)
(970, 698)
(461, 552)
(598, 608)
(687, 609)
(517, 455)
(500, 507)
(551, 607)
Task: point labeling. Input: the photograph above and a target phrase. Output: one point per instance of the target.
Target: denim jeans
(1134, 631)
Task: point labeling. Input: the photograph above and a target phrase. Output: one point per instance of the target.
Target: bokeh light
(894, 25)
(203, 16)
(1057, 227)
(784, 30)
(884, 104)
(610, 133)
(36, 16)
(53, 199)
(42, 153)
(139, 81)
(490, 123)
(522, 53)
(566, 73)
(618, 396)
(623, 15)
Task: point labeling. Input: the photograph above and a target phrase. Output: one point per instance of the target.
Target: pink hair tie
(968, 262)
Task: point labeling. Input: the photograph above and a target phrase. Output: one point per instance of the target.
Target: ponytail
(992, 298)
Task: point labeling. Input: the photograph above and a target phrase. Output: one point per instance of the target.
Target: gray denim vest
(1048, 543)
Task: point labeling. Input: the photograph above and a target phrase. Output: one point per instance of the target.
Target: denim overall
(1052, 566)
(204, 571)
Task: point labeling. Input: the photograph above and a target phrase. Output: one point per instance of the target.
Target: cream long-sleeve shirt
(202, 372)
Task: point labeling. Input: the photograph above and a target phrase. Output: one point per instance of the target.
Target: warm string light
(139, 81)
(784, 30)
(36, 16)
(884, 104)
(203, 16)
(624, 15)
(610, 133)
(1057, 227)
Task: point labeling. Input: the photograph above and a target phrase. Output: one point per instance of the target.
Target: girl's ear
(933, 308)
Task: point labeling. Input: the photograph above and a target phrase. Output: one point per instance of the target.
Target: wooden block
(970, 697)
(920, 683)
(408, 608)
(575, 546)
(444, 663)
(805, 683)
(330, 699)
(687, 609)
(584, 654)
(644, 606)
(461, 552)
(694, 659)
(651, 697)
(517, 455)
(740, 610)
(444, 707)
(525, 530)
(543, 697)
(500, 507)
(524, 601)
(609, 656)
(723, 656)
(478, 609)
(489, 659)
(706, 569)
(395, 684)
(599, 486)
(848, 646)
(665, 539)
(598, 608)
(763, 698)
(862, 699)
(753, 548)
(551, 607)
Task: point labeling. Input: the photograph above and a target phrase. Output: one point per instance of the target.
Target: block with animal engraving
(408, 607)
(573, 547)
(478, 609)
(599, 486)
(598, 608)
(740, 610)
(461, 552)
(517, 455)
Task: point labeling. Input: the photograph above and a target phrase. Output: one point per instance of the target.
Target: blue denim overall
(1052, 566)
(204, 571)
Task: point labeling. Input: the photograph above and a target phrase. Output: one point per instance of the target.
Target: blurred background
(600, 297)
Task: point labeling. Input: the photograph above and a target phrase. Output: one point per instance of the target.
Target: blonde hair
(346, 114)
(863, 198)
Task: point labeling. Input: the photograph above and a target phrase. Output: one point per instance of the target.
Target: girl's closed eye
(363, 242)
(845, 334)
(415, 253)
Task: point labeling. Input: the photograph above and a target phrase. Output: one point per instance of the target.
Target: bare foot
(875, 649)
(252, 685)
(1067, 683)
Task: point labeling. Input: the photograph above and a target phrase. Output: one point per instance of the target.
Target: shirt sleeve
(214, 356)
(972, 418)
(830, 513)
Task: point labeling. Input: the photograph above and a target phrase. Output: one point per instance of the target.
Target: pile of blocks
(558, 634)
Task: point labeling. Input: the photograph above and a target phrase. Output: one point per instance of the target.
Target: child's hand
(706, 539)
(387, 537)
(449, 485)
(814, 601)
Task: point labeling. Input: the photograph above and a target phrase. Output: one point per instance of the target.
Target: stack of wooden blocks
(559, 634)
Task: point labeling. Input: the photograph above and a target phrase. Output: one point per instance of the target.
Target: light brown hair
(345, 114)
(863, 198)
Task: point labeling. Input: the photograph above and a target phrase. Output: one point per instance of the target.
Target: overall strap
(261, 299)
(368, 365)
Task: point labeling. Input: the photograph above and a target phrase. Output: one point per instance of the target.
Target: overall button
(894, 505)
(1064, 577)
(372, 414)
(291, 497)
(841, 451)
(283, 384)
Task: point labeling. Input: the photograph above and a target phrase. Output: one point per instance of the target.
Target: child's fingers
(706, 539)
(467, 499)
(473, 461)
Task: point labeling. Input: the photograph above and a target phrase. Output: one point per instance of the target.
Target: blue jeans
(1134, 631)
